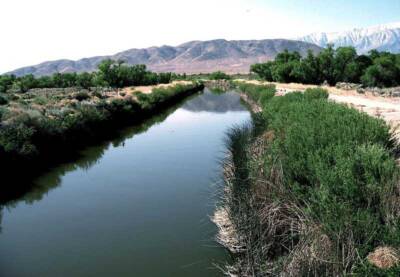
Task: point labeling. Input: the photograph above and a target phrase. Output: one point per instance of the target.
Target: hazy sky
(34, 31)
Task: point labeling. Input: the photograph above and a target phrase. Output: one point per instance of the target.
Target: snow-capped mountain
(382, 37)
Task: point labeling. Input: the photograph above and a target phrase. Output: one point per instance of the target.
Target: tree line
(110, 73)
(376, 69)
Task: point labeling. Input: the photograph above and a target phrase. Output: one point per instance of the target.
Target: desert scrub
(314, 189)
(47, 122)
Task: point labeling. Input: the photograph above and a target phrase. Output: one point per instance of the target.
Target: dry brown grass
(227, 234)
(269, 136)
(384, 257)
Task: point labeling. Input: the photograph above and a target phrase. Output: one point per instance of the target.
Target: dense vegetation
(110, 74)
(260, 94)
(314, 189)
(381, 69)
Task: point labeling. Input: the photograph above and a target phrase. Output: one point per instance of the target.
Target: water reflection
(137, 204)
(87, 159)
(206, 102)
(216, 103)
(1, 216)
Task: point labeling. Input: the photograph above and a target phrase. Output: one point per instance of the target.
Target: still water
(135, 206)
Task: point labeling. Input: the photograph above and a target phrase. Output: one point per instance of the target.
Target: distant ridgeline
(194, 57)
(377, 69)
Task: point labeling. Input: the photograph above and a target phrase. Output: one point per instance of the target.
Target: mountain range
(234, 56)
(382, 37)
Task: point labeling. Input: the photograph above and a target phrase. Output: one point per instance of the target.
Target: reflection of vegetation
(34, 121)
(217, 90)
(45, 125)
(314, 189)
(85, 159)
(210, 102)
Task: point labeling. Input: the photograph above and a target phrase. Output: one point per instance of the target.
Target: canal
(138, 205)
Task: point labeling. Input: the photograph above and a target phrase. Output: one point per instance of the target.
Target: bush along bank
(254, 95)
(37, 127)
(312, 189)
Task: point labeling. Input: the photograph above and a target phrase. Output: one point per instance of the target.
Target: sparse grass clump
(314, 189)
(316, 93)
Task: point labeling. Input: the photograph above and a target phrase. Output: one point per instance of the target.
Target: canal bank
(297, 196)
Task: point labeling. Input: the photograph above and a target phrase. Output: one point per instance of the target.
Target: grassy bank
(312, 190)
(40, 126)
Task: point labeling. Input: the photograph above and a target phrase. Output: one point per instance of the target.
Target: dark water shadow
(215, 102)
(88, 156)
(41, 184)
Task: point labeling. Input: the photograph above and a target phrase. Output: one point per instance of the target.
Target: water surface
(134, 206)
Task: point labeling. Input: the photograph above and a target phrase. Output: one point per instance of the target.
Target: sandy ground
(149, 89)
(387, 108)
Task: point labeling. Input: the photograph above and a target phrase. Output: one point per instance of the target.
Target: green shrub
(260, 94)
(3, 100)
(219, 75)
(98, 95)
(316, 93)
(41, 100)
(17, 139)
(383, 73)
(80, 96)
(335, 167)
(162, 94)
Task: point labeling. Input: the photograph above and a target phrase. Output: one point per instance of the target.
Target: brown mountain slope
(191, 57)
